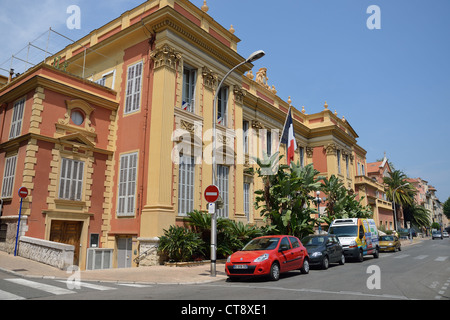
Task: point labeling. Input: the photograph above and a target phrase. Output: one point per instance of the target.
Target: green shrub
(180, 244)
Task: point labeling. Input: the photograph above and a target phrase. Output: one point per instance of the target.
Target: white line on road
(421, 257)
(91, 286)
(401, 256)
(441, 259)
(383, 296)
(135, 285)
(40, 286)
(9, 296)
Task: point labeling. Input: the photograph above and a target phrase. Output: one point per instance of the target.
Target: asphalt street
(420, 271)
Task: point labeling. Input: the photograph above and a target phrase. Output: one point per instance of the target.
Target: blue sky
(391, 84)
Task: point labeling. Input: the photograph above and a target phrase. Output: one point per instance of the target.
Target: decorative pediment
(75, 142)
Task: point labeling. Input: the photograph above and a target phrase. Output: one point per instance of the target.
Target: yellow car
(390, 243)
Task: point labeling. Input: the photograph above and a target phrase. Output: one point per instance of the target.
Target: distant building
(370, 185)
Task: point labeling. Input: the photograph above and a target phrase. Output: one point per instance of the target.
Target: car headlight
(265, 256)
(229, 259)
(316, 254)
(390, 244)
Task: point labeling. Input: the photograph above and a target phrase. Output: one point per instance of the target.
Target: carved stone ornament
(239, 94)
(309, 152)
(165, 56)
(210, 78)
(188, 126)
(331, 149)
(262, 79)
(257, 124)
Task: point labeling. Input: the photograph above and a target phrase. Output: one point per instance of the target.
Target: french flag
(288, 138)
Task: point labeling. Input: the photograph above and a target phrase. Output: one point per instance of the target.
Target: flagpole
(281, 136)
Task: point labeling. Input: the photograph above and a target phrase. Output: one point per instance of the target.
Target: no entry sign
(211, 193)
(23, 192)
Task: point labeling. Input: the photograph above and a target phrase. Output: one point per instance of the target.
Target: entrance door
(67, 232)
(124, 252)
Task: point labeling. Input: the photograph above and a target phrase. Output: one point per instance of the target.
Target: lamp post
(318, 201)
(253, 57)
(393, 199)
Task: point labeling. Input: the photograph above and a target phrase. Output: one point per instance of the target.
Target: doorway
(67, 232)
(124, 252)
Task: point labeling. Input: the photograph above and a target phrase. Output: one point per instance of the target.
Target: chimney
(11, 73)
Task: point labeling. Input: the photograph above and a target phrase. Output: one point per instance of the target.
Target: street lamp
(393, 199)
(318, 200)
(253, 57)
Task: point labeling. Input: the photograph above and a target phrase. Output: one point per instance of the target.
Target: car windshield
(261, 244)
(313, 241)
(344, 231)
(387, 238)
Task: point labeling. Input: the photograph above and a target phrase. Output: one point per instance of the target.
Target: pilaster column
(158, 213)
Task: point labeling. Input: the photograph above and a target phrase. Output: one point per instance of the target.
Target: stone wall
(56, 254)
(10, 223)
(148, 252)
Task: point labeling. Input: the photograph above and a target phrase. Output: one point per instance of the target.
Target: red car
(269, 255)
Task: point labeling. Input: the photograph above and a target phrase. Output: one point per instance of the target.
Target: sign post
(23, 193)
(211, 195)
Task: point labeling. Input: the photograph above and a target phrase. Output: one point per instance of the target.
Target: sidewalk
(144, 275)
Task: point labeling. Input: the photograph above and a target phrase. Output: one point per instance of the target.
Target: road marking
(135, 285)
(421, 257)
(401, 256)
(441, 258)
(91, 286)
(355, 293)
(41, 286)
(9, 296)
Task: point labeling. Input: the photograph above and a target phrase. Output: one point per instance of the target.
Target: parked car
(324, 249)
(390, 243)
(268, 256)
(437, 234)
(445, 234)
(358, 237)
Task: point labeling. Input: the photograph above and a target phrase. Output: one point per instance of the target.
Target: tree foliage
(342, 203)
(285, 200)
(447, 208)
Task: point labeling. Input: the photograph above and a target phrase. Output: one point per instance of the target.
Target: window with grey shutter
(189, 80)
(186, 185)
(247, 200)
(127, 184)
(8, 177)
(133, 92)
(71, 179)
(16, 123)
(222, 184)
(222, 102)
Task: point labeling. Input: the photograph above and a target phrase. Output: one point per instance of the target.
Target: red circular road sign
(211, 193)
(23, 192)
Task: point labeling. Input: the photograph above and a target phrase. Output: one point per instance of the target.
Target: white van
(358, 237)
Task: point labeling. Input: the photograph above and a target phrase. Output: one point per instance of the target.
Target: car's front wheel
(325, 263)
(342, 261)
(274, 272)
(305, 268)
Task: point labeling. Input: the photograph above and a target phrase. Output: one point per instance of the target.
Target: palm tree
(418, 215)
(285, 200)
(404, 191)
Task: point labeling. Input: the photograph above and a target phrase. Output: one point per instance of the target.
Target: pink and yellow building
(115, 147)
